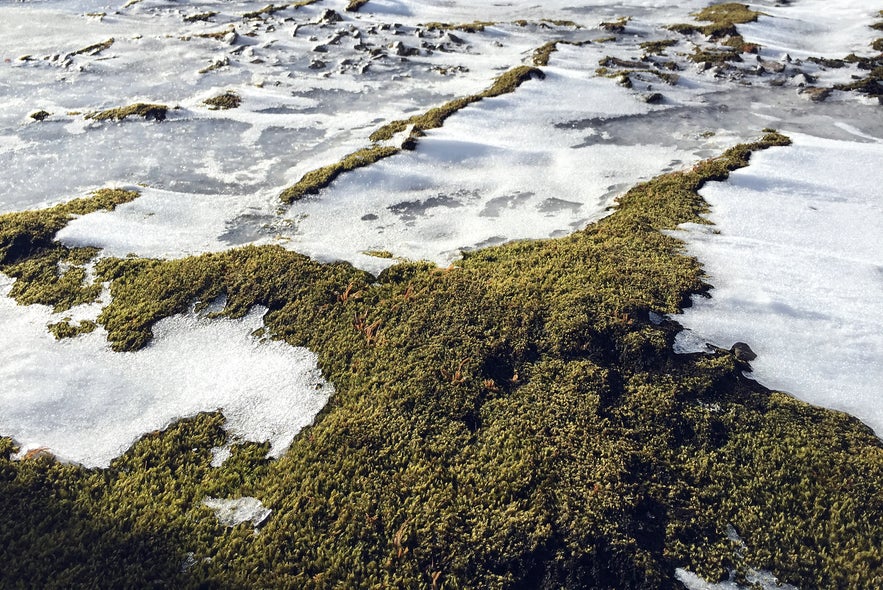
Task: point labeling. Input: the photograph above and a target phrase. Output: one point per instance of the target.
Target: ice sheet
(797, 270)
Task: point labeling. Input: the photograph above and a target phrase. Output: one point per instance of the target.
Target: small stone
(317, 64)
(743, 352)
(653, 98)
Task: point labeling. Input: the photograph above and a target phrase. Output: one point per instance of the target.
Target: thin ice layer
(796, 261)
(88, 404)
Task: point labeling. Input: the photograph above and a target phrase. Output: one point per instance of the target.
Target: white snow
(762, 579)
(88, 404)
(231, 512)
(797, 270)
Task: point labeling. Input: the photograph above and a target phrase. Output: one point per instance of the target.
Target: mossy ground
(515, 421)
(156, 112)
(224, 101)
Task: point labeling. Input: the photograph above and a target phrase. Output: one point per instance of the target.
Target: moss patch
(265, 11)
(227, 100)
(435, 117)
(45, 271)
(156, 112)
(96, 48)
(515, 421)
(315, 180)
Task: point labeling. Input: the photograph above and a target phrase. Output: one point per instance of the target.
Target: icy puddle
(796, 260)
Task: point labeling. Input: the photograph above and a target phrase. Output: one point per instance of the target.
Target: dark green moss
(156, 112)
(658, 47)
(227, 100)
(474, 27)
(202, 16)
(514, 421)
(315, 180)
(40, 115)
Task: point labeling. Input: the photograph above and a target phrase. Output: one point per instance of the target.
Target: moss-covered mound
(516, 421)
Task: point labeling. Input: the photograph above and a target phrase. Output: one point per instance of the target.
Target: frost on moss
(516, 420)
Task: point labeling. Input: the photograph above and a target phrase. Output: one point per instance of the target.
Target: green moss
(315, 180)
(378, 253)
(616, 26)
(474, 27)
(96, 48)
(513, 421)
(227, 100)
(302, 3)
(265, 11)
(40, 115)
(435, 117)
(45, 271)
(658, 47)
(542, 54)
(202, 16)
(723, 19)
(148, 111)
(65, 329)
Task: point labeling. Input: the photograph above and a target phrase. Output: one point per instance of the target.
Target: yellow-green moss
(65, 329)
(473, 27)
(723, 19)
(658, 47)
(515, 421)
(378, 253)
(148, 111)
(315, 180)
(265, 11)
(201, 16)
(45, 271)
(96, 48)
(227, 100)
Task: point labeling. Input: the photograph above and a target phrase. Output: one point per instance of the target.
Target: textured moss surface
(224, 101)
(45, 271)
(148, 111)
(514, 421)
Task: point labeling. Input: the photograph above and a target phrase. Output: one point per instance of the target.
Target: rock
(329, 17)
(816, 93)
(653, 98)
(40, 115)
(317, 64)
(743, 352)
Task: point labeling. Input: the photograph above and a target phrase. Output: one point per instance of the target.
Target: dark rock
(743, 352)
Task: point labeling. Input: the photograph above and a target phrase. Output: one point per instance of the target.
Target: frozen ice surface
(756, 579)
(231, 512)
(814, 28)
(88, 404)
(796, 261)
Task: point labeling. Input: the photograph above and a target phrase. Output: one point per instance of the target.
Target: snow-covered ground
(796, 263)
(796, 258)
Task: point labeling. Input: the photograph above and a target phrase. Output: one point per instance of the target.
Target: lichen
(513, 421)
(156, 112)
